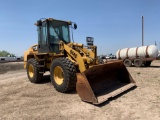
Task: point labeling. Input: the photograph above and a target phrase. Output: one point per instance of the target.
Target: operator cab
(51, 32)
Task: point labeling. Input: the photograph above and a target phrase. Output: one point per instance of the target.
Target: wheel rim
(138, 63)
(31, 70)
(58, 75)
(127, 63)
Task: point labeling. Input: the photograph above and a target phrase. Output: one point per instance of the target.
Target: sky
(114, 24)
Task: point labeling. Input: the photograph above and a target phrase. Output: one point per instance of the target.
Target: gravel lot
(20, 99)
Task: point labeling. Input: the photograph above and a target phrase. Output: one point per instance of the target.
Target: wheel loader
(72, 65)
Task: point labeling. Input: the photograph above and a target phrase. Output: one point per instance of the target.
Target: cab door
(43, 38)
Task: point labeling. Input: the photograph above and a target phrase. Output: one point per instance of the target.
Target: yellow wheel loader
(73, 65)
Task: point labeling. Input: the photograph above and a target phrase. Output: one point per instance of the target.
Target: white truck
(10, 58)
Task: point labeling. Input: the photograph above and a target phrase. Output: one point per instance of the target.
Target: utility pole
(142, 30)
(155, 43)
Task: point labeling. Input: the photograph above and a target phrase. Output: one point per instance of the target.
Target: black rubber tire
(69, 74)
(127, 62)
(37, 77)
(148, 63)
(138, 62)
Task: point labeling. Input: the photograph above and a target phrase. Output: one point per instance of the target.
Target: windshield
(59, 30)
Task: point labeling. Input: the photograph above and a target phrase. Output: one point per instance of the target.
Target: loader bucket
(100, 82)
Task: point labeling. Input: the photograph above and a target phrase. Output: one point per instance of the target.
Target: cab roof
(52, 19)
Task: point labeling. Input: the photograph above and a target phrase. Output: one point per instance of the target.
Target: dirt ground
(20, 99)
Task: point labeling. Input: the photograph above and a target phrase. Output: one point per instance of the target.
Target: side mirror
(75, 26)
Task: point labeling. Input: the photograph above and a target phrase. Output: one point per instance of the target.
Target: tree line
(4, 53)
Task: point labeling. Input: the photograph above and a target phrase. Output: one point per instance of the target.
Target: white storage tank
(150, 51)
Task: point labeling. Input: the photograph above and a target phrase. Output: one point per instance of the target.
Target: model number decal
(73, 53)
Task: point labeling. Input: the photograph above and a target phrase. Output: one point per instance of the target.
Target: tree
(4, 53)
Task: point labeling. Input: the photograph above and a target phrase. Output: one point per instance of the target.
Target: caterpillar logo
(73, 53)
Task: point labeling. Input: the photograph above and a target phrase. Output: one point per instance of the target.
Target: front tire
(63, 74)
(33, 71)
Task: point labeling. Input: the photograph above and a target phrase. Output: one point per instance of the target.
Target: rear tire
(127, 62)
(33, 71)
(63, 74)
(138, 62)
